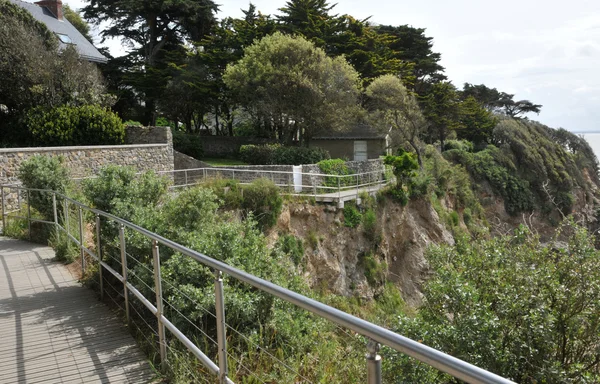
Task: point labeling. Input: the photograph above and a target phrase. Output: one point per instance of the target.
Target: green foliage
(375, 270)
(454, 218)
(65, 125)
(275, 154)
(295, 86)
(405, 166)
(335, 167)
(467, 216)
(262, 198)
(65, 250)
(44, 172)
(522, 309)
(291, 246)
(352, 216)
(188, 144)
(490, 165)
(461, 145)
(75, 19)
(369, 222)
(119, 190)
(476, 124)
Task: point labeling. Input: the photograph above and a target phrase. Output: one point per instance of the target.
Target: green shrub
(64, 249)
(298, 155)
(291, 246)
(454, 218)
(335, 167)
(258, 154)
(461, 145)
(404, 165)
(522, 308)
(44, 172)
(467, 216)
(369, 221)
(276, 154)
(66, 125)
(190, 145)
(263, 199)
(375, 270)
(228, 191)
(352, 217)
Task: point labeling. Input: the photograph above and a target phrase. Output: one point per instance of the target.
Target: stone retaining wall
(371, 170)
(87, 160)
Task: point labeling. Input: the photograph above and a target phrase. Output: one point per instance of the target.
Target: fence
(63, 208)
(294, 183)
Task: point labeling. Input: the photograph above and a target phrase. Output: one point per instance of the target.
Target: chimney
(54, 6)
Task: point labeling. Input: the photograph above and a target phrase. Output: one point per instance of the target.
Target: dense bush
(335, 167)
(66, 125)
(190, 145)
(524, 310)
(490, 165)
(262, 198)
(276, 154)
(352, 216)
(44, 172)
(375, 270)
(291, 246)
(404, 167)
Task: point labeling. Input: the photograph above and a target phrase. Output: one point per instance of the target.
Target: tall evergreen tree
(154, 30)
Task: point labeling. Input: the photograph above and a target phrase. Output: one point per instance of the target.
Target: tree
(441, 108)
(311, 19)
(75, 19)
(155, 31)
(499, 102)
(411, 45)
(393, 106)
(293, 87)
(34, 73)
(476, 124)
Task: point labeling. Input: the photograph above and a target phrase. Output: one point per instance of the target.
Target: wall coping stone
(78, 148)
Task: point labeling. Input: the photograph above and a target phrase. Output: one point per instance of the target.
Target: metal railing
(291, 183)
(374, 334)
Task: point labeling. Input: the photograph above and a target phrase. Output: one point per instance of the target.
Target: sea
(594, 139)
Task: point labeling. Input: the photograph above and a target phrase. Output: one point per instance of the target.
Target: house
(361, 142)
(50, 13)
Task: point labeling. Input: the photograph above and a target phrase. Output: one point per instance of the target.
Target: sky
(546, 51)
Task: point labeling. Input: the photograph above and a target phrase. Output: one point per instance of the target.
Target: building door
(360, 150)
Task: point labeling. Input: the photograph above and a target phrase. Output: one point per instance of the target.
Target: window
(64, 38)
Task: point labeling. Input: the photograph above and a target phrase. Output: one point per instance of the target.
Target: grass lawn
(223, 162)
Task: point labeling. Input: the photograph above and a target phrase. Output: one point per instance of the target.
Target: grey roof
(356, 132)
(86, 49)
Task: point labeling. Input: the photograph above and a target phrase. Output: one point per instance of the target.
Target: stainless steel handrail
(437, 359)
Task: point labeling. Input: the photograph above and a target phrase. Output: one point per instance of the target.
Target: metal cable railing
(375, 335)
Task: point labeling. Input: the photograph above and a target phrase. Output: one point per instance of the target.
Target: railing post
(221, 330)
(55, 213)
(186, 177)
(159, 306)
(80, 214)
(28, 215)
(124, 269)
(373, 363)
(66, 219)
(99, 254)
(3, 211)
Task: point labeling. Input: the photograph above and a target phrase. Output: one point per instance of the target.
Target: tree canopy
(293, 88)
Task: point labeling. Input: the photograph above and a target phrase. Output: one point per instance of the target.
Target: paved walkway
(52, 330)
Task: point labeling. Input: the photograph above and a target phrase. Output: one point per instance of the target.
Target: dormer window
(64, 38)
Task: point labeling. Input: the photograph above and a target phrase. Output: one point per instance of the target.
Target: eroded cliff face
(333, 252)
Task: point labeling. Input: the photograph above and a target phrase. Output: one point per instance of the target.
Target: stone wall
(344, 149)
(86, 160)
